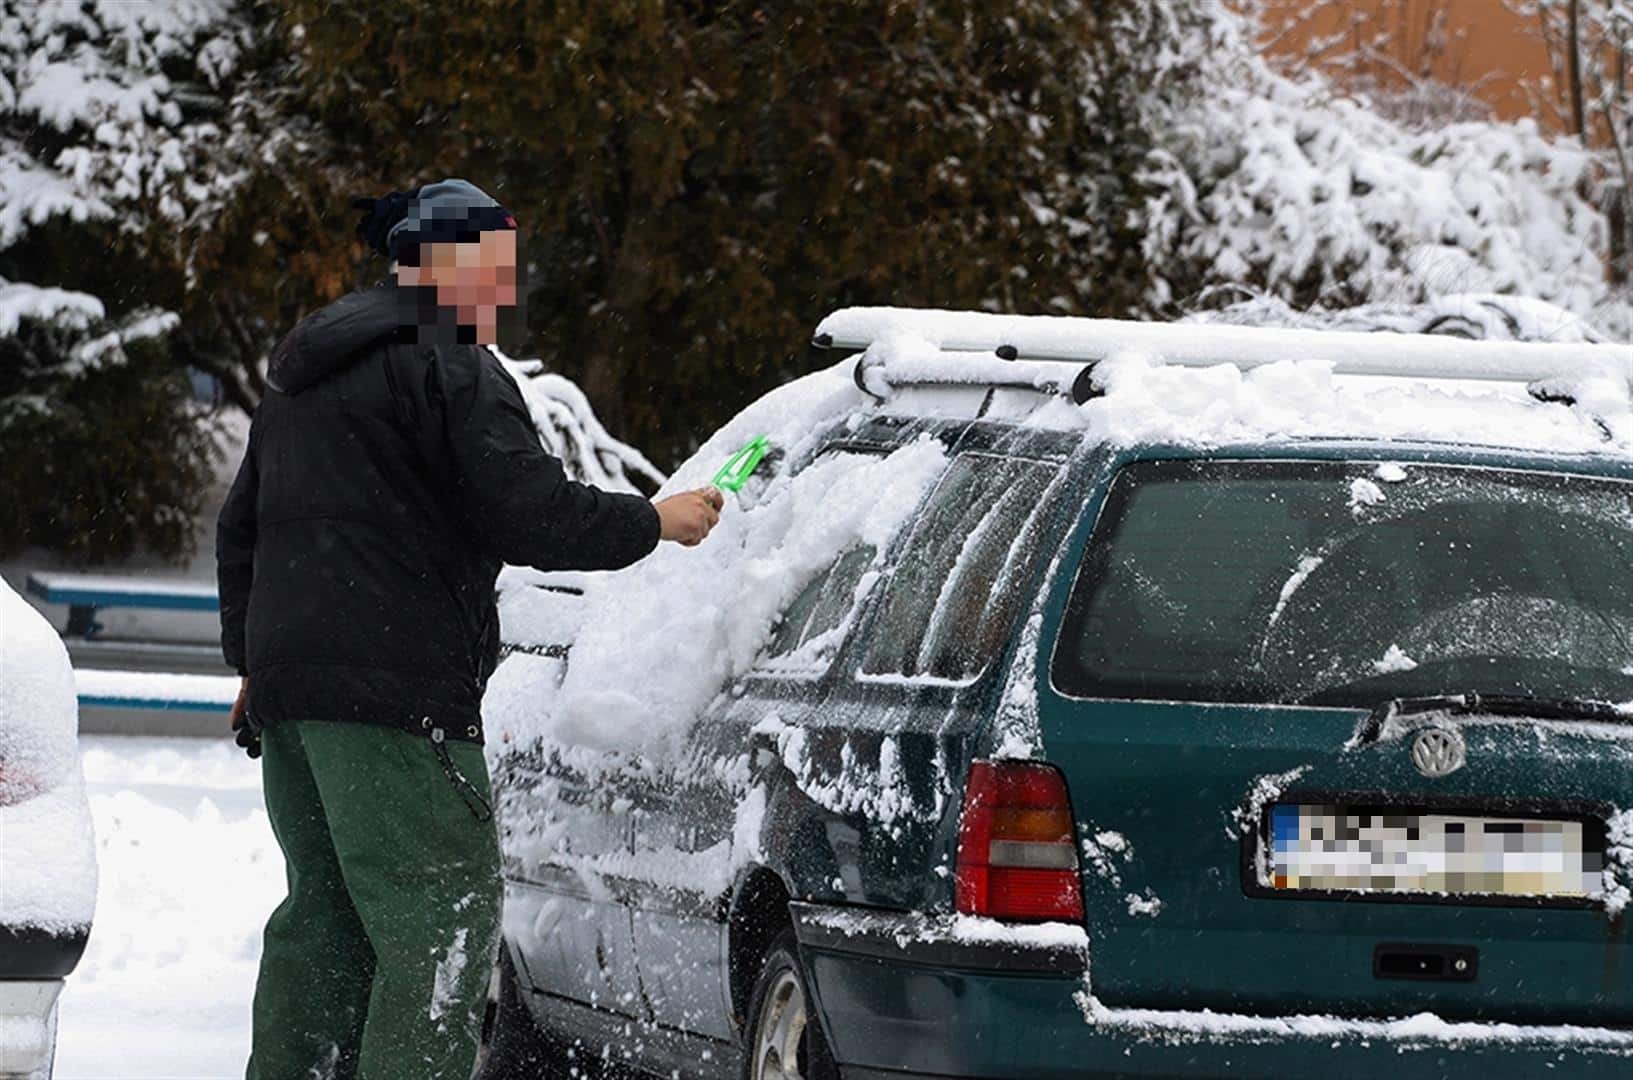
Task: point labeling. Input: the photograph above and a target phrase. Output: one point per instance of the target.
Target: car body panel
(571, 924)
(1177, 788)
(912, 1020)
(847, 791)
(30, 952)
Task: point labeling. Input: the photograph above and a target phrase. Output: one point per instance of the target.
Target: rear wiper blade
(1475, 703)
(1510, 705)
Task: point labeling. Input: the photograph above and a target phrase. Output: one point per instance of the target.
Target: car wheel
(512, 1047)
(784, 1039)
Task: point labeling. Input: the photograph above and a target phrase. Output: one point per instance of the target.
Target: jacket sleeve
(526, 509)
(235, 558)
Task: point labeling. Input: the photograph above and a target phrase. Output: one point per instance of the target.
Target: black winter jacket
(383, 485)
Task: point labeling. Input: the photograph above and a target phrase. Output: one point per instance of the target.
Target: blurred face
(476, 279)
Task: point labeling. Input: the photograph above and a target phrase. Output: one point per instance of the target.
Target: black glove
(379, 215)
(248, 733)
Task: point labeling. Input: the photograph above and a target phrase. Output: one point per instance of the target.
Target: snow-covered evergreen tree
(118, 118)
(126, 130)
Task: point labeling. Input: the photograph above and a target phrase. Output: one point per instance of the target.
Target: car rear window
(1347, 583)
(955, 591)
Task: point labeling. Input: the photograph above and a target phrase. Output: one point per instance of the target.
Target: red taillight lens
(1016, 858)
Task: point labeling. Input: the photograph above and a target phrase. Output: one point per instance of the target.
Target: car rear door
(565, 837)
(1269, 823)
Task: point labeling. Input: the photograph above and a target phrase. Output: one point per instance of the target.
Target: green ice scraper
(735, 473)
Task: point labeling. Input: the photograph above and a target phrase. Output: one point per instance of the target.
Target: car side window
(806, 637)
(814, 626)
(955, 591)
(790, 629)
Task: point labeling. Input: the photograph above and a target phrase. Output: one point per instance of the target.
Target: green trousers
(376, 965)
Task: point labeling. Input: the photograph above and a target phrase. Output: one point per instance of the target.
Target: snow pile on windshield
(660, 640)
(49, 875)
(685, 621)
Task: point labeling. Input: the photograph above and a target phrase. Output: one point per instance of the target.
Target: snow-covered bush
(569, 429)
(1590, 46)
(1478, 316)
(1290, 189)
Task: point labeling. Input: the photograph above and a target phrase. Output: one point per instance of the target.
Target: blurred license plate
(1379, 849)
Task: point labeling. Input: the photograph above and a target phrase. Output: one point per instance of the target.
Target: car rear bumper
(28, 952)
(26, 1031)
(915, 997)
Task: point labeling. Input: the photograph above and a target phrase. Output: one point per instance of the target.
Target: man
(390, 470)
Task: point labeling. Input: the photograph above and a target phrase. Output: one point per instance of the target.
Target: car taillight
(1016, 858)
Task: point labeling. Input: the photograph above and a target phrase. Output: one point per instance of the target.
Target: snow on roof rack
(1026, 349)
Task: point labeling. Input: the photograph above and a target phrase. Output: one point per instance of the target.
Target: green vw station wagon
(1069, 698)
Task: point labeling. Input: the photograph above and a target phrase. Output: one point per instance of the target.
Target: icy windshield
(1347, 583)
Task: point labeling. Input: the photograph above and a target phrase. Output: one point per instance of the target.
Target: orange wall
(1486, 42)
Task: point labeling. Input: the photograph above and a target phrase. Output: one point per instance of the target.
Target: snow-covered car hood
(48, 872)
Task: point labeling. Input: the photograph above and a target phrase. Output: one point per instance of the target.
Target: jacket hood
(336, 336)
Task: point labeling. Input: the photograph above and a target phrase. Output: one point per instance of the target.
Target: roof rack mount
(879, 378)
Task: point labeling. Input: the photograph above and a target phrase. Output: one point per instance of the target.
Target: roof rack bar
(1080, 341)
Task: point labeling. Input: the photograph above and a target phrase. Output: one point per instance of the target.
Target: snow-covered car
(1074, 697)
(47, 853)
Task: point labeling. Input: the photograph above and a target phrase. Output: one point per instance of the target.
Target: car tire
(512, 1046)
(783, 1039)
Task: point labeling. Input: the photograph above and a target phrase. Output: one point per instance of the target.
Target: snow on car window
(661, 639)
(949, 603)
(814, 626)
(1270, 581)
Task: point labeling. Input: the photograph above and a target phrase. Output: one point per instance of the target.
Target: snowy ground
(189, 873)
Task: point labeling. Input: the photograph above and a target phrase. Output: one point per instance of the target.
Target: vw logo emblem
(1438, 751)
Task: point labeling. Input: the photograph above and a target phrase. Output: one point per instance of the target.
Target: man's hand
(248, 734)
(687, 518)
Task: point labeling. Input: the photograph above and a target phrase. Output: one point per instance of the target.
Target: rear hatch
(1338, 740)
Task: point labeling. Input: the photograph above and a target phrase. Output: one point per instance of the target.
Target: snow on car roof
(653, 644)
(1054, 337)
(1205, 384)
